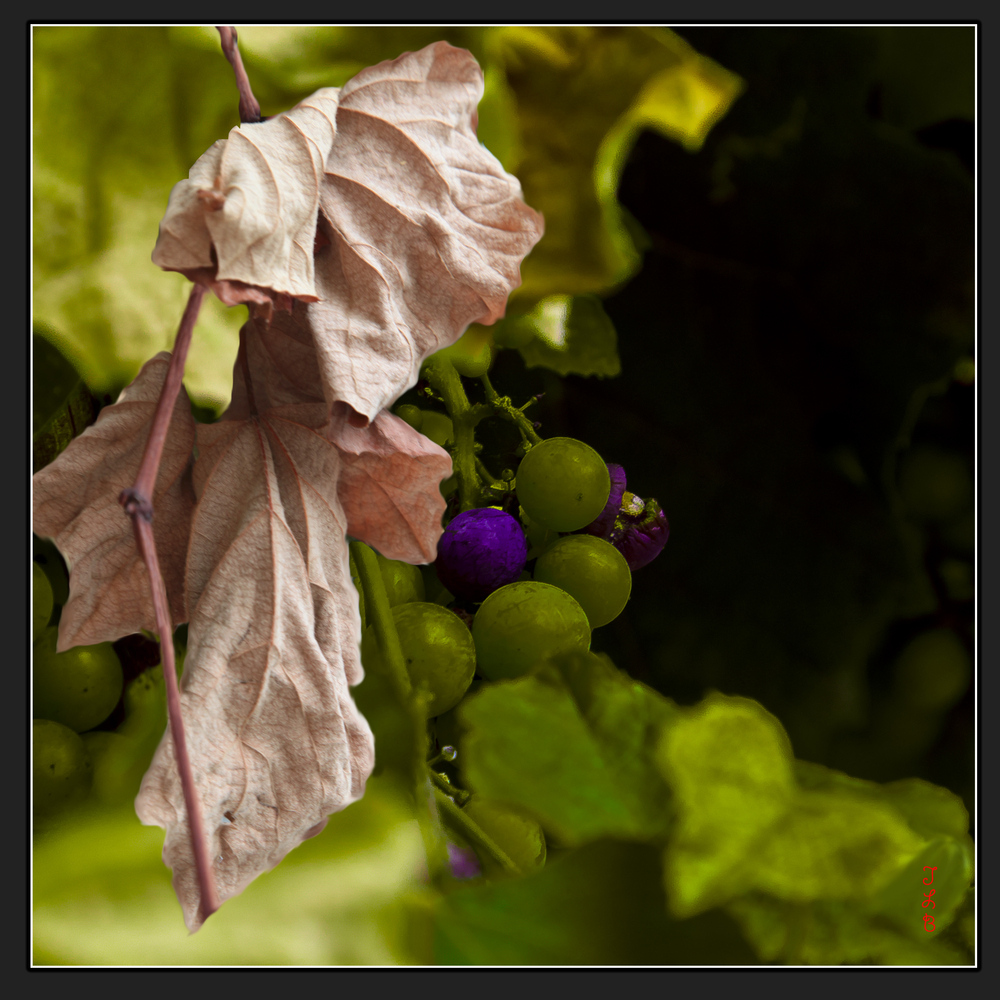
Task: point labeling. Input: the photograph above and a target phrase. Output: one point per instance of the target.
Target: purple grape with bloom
(481, 550)
(637, 528)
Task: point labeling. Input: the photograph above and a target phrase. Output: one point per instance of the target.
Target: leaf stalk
(138, 503)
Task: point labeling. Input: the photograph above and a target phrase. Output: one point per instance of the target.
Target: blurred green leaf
(833, 932)
(729, 765)
(573, 335)
(53, 378)
(830, 845)
(583, 95)
(599, 905)
(571, 743)
(102, 896)
(744, 823)
(120, 115)
(947, 863)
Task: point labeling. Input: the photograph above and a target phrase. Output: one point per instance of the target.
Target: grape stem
(138, 503)
(379, 614)
(467, 828)
(444, 379)
(503, 406)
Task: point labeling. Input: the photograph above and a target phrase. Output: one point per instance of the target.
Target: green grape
(591, 570)
(145, 711)
(522, 623)
(438, 650)
(78, 688)
(933, 671)
(563, 484)
(473, 365)
(438, 428)
(41, 607)
(413, 415)
(403, 582)
(60, 768)
(516, 834)
(113, 759)
(513, 332)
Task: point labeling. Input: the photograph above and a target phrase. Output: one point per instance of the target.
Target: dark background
(788, 393)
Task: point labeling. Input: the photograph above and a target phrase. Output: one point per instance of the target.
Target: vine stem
(444, 379)
(379, 614)
(138, 503)
(249, 107)
(506, 409)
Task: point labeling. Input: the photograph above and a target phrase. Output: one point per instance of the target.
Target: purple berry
(604, 522)
(463, 860)
(637, 528)
(640, 531)
(480, 550)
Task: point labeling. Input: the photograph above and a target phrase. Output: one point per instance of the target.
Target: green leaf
(78, 410)
(120, 114)
(929, 809)
(944, 866)
(831, 845)
(833, 932)
(602, 904)
(573, 335)
(729, 765)
(571, 744)
(583, 95)
(53, 378)
(103, 897)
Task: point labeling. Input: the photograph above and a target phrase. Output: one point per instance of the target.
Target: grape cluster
(515, 582)
(81, 750)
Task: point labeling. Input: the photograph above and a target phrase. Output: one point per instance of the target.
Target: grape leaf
(570, 163)
(571, 744)
(247, 211)
(745, 824)
(573, 335)
(75, 501)
(418, 229)
(275, 739)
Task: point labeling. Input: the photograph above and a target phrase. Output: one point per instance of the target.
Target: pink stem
(249, 108)
(138, 499)
(192, 801)
(138, 504)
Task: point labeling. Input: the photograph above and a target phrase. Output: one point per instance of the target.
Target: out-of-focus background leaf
(351, 896)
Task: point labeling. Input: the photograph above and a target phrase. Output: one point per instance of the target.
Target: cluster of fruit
(511, 591)
(78, 753)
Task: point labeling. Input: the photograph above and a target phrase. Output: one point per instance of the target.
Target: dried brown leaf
(419, 230)
(246, 215)
(275, 740)
(427, 231)
(76, 505)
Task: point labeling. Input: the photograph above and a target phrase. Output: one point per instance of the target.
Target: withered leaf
(419, 230)
(75, 500)
(246, 214)
(275, 739)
